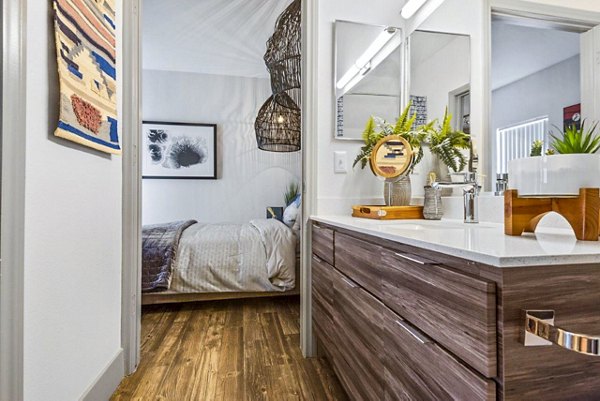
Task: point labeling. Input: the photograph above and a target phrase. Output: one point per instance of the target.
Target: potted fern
(571, 163)
(397, 192)
(447, 146)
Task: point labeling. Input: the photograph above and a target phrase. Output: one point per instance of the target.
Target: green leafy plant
(576, 140)
(292, 190)
(447, 143)
(377, 128)
(536, 148)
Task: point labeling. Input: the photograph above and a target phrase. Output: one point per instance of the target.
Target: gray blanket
(159, 247)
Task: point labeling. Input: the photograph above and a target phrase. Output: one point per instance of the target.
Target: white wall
(546, 92)
(337, 192)
(249, 179)
(72, 240)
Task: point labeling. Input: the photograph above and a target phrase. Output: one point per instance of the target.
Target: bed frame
(156, 298)
(170, 297)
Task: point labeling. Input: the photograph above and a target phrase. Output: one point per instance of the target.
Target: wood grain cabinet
(416, 368)
(358, 320)
(455, 309)
(402, 323)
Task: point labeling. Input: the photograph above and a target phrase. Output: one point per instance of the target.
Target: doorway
(134, 187)
(543, 79)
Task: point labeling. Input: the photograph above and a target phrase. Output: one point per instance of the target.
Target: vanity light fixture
(362, 64)
(411, 7)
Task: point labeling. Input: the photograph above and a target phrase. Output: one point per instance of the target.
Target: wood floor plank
(231, 350)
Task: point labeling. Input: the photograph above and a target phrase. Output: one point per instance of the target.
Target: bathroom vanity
(418, 310)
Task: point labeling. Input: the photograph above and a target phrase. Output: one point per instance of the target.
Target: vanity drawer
(322, 302)
(359, 260)
(322, 243)
(457, 310)
(358, 320)
(416, 368)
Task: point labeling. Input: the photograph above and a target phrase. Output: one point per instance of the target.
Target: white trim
(132, 178)
(310, 107)
(590, 75)
(107, 381)
(537, 10)
(13, 199)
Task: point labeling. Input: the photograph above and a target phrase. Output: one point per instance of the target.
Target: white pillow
(292, 212)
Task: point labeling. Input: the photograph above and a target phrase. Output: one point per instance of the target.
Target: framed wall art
(179, 150)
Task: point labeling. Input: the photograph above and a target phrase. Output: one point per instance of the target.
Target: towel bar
(540, 331)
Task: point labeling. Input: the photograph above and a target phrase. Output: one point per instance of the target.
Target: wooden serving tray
(380, 212)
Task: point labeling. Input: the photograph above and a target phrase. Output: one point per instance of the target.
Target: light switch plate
(340, 162)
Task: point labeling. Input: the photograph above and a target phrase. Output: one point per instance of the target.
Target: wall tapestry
(86, 53)
(179, 150)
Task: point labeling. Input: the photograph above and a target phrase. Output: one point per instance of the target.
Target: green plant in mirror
(536, 148)
(447, 143)
(377, 128)
(576, 140)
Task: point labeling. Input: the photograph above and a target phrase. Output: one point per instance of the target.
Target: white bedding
(253, 257)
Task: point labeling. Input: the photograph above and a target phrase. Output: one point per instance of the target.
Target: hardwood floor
(240, 350)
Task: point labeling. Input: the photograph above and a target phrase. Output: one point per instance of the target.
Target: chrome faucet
(470, 194)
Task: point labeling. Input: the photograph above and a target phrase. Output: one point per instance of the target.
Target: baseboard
(107, 381)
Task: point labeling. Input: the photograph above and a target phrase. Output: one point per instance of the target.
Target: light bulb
(280, 119)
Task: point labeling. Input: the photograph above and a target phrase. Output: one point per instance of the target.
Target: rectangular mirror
(367, 76)
(439, 78)
(536, 86)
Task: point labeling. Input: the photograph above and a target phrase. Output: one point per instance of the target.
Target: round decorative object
(278, 125)
(391, 157)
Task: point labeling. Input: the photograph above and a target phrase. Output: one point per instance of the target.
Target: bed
(190, 261)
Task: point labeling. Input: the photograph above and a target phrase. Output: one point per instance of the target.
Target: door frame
(12, 225)
(131, 309)
(132, 177)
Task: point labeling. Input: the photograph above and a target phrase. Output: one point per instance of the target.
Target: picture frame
(175, 150)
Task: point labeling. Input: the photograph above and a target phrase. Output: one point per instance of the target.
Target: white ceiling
(224, 37)
(519, 51)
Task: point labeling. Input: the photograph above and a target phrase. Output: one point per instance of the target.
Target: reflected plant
(576, 140)
(447, 143)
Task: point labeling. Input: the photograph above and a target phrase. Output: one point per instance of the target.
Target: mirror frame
(403, 73)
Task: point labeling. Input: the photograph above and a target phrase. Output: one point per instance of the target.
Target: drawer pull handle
(317, 259)
(540, 330)
(412, 259)
(413, 332)
(350, 283)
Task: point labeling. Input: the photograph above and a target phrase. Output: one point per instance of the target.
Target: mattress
(254, 257)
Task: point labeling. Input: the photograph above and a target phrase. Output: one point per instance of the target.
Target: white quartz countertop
(484, 242)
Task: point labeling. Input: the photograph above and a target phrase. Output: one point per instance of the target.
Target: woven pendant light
(278, 124)
(284, 51)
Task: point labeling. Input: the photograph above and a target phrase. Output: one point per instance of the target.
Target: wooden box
(380, 212)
